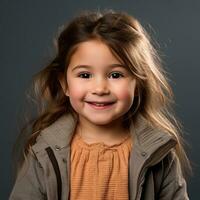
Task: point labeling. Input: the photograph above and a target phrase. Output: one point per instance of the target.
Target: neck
(112, 132)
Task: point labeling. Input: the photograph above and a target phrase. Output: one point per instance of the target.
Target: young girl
(105, 129)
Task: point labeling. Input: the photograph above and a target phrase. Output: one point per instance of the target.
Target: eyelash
(121, 75)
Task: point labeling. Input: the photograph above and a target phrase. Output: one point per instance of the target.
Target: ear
(63, 84)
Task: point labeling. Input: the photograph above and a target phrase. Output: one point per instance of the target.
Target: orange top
(99, 171)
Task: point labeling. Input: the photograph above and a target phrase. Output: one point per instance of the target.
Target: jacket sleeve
(173, 186)
(29, 183)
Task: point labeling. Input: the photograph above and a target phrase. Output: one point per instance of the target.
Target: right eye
(83, 75)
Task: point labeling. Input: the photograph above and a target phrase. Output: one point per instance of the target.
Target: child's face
(98, 83)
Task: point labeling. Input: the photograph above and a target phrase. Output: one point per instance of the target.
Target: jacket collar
(147, 139)
(59, 134)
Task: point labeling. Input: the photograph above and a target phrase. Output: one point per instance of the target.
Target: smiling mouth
(101, 105)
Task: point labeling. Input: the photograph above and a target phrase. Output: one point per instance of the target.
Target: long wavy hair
(129, 41)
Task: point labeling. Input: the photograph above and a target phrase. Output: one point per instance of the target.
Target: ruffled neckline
(127, 140)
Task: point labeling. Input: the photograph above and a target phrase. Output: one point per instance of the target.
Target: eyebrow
(88, 66)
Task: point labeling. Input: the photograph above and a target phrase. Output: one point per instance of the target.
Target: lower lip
(100, 107)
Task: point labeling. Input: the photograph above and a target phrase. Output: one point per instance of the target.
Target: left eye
(82, 75)
(117, 74)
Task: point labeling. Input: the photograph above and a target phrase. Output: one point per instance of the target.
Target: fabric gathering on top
(99, 170)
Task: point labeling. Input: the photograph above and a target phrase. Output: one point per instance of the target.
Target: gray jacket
(154, 169)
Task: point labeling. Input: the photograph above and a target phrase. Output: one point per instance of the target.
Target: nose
(100, 87)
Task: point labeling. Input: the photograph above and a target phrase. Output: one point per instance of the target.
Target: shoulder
(29, 180)
(170, 164)
(168, 177)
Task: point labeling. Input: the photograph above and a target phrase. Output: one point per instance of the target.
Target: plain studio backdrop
(27, 29)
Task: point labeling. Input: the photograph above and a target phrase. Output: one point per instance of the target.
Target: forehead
(93, 53)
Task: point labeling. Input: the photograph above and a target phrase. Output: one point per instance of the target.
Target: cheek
(75, 96)
(75, 89)
(76, 92)
(126, 92)
(126, 95)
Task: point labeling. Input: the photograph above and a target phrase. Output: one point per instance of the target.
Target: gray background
(27, 29)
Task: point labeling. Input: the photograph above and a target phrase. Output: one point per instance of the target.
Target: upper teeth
(99, 104)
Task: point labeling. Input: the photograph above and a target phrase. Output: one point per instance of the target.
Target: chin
(101, 120)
